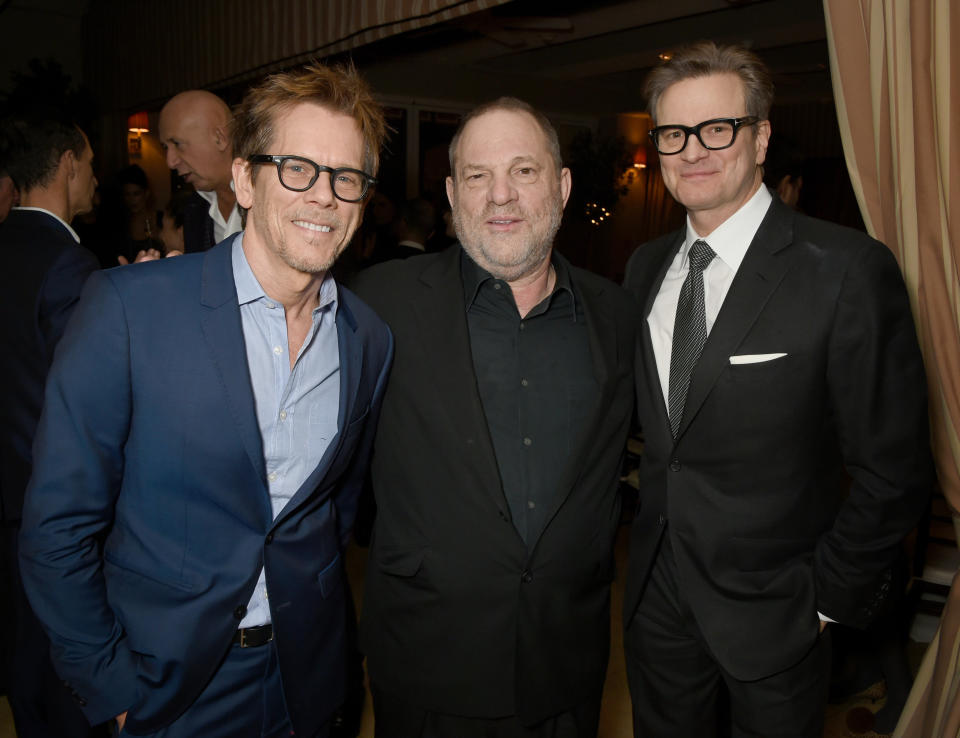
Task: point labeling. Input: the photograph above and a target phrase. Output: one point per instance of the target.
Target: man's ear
(69, 164)
(221, 138)
(762, 140)
(566, 183)
(243, 182)
(450, 197)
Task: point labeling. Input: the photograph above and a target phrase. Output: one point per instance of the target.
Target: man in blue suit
(206, 431)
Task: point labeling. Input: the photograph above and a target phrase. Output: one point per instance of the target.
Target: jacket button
(269, 539)
(526, 577)
(240, 612)
(80, 701)
(674, 465)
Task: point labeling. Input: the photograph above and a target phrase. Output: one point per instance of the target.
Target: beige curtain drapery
(896, 81)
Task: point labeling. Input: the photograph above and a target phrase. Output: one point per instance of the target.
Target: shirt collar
(249, 289)
(732, 238)
(230, 224)
(473, 276)
(55, 217)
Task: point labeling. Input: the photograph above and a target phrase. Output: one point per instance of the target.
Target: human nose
(694, 150)
(501, 190)
(172, 159)
(321, 191)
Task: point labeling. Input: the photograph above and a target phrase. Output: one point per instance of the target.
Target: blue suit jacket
(148, 515)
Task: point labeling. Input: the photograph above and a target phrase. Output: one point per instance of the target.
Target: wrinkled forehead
(695, 99)
(499, 134)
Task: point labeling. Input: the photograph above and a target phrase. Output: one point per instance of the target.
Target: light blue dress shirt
(296, 408)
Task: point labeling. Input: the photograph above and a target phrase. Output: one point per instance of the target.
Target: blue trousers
(244, 699)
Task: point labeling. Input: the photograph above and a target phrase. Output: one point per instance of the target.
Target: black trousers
(42, 706)
(397, 718)
(679, 689)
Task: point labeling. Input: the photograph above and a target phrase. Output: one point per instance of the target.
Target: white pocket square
(754, 358)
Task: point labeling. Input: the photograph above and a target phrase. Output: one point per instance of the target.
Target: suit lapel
(648, 360)
(351, 367)
(762, 270)
(602, 333)
(445, 341)
(223, 331)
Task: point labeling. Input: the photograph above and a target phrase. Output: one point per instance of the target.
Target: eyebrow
(524, 159)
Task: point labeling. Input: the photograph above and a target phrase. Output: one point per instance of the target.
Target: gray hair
(515, 105)
(705, 58)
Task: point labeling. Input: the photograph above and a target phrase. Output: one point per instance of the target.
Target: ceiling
(590, 58)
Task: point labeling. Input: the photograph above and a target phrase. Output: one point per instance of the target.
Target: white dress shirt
(221, 228)
(729, 242)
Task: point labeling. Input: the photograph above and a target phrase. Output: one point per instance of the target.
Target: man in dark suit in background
(497, 458)
(44, 269)
(777, 355)
(195, 136)
(190, 466)
(414, 228)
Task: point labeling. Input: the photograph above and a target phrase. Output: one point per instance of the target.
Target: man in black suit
(44, 269)
(195, 136)
(497, 457)
(777, 356)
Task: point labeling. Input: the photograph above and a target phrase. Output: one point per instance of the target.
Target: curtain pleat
(140, 53)
(896, 80)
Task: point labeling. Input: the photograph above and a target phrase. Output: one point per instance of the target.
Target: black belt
(261, 635)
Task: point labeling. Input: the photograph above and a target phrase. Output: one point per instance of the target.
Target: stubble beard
(519, 261)
(279, 246)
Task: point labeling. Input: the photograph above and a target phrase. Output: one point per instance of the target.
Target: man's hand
(121, 720)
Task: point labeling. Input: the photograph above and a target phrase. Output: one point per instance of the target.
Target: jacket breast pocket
(330, 578)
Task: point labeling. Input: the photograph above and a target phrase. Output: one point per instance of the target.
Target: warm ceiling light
(138, 122)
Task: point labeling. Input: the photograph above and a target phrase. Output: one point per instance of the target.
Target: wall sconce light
(640, 157)
(138, 123)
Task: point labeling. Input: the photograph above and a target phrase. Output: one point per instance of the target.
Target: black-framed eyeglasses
(299, 174)
(713, 134)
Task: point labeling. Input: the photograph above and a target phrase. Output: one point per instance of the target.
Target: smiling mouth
(313, 226)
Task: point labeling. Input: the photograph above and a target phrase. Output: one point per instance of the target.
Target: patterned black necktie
(689, 331)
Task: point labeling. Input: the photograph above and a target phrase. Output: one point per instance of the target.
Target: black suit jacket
(43, 273)
(197, 225)
(459, 616)
(753, 492)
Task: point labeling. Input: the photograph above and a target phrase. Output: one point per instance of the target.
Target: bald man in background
(195, 135)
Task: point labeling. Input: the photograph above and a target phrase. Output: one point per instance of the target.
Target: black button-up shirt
(536, 383)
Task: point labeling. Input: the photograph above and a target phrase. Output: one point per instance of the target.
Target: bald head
(195, 134)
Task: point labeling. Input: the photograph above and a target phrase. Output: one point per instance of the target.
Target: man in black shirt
(497, 457)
